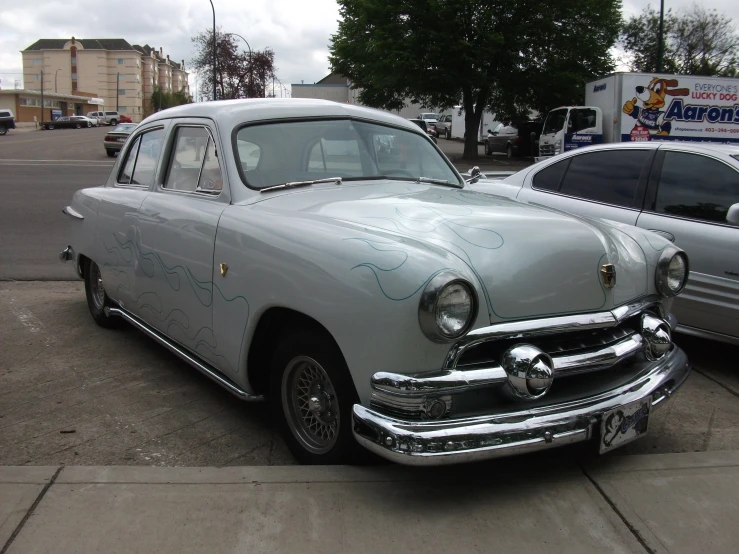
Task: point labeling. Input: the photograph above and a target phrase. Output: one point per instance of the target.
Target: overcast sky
(297, 30)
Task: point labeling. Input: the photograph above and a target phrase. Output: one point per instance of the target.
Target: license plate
(121, 139)
(624, 424)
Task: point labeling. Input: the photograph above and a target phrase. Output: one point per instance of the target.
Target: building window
(74, 85)
(121, 92)
(38, 61)
(120, 61)
(121, 109)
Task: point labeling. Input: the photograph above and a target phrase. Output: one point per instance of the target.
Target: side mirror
(732, 215)
(474, 175)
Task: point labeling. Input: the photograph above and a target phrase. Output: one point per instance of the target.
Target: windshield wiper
(402, 178)
(293, 184)
(436, 181)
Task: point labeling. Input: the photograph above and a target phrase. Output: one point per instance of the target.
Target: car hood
(529, 261)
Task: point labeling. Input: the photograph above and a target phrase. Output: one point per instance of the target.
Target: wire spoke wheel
(310, 404)
(96, 286)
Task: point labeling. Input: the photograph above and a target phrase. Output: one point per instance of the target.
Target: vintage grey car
(687, 192)
(283, 249)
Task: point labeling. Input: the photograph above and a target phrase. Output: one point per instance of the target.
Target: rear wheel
(97, 299)
(50, 127)
(114, 122)
(3, 130)
(110, 153)
(509, 151)
(78, 126)
(312, 397)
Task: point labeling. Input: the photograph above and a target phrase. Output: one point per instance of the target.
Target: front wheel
(312, 397)
(50, 127)
(97, 299)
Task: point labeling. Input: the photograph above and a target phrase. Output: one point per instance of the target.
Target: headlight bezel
(661, 273)
(428, 303)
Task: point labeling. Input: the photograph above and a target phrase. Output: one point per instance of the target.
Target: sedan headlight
(448, 307)
(672, 272)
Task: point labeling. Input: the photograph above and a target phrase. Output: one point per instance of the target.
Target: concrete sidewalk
(654, 503)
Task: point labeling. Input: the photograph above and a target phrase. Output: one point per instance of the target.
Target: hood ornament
(608, 275)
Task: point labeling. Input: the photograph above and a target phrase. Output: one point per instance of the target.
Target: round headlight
(672, 272)
(448, 307)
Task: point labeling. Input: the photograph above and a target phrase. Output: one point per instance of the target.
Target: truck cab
(570, 127)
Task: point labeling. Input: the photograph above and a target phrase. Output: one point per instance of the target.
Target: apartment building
(120, 74)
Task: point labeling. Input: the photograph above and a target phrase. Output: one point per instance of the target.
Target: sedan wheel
(313, 395)
(509, 151)
(3, 130)
(110, 153)
(50, 127)
(78, 126)
(97, 299)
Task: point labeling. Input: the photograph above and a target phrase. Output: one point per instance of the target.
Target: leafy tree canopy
(504, 55)
(699, 41)
(239, 74)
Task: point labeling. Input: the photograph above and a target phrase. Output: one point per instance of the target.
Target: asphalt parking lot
(74, 393)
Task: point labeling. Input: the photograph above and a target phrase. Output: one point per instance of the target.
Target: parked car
(515, 138)
(686, 192)
(7, 121)
(68, 122)
(107, 118)
(115, 139)
(369, 294)
(423, 125)
(444, 125)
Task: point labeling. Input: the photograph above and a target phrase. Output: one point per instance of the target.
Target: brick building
(120, 74)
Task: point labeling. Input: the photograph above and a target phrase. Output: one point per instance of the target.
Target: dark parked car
(7, 121)
(116, 138)
(422, 124)
(515, 138)
(73, 122)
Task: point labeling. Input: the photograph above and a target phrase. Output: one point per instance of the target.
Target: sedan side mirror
(732, 215)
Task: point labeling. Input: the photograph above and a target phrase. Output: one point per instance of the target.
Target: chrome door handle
(664, 234)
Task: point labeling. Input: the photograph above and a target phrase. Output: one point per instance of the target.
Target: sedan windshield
(278, 153)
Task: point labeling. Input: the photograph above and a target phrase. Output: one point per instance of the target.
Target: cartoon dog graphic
(651, 115)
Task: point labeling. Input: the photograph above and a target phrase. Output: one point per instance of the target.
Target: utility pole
(117, 89)
(660, 49)
(42, 97)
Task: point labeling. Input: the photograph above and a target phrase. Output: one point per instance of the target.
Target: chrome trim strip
(439, 442)
(600, 359)
(546, 326)
(456, 381)
(69, 210)
(191, 359)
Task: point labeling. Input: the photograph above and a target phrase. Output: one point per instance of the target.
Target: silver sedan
(685, 192)
(116, 138)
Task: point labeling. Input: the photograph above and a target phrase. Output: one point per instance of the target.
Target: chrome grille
(546, 150)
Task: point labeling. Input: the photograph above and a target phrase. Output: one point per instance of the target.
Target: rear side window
(695, 186)
(550, 177)
(610, 176)
(194, 166)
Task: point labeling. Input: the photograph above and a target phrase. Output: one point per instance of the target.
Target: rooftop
(87, 44)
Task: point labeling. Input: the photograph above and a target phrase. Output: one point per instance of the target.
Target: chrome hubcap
(96, 284)
(310, 404)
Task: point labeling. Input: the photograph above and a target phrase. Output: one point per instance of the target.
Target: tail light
(109, 139)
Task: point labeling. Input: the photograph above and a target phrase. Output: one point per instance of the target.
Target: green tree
(509, 56)
(161, 100)
(696, 42)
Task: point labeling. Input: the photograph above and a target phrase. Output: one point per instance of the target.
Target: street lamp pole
(250, 52)
(55, 74)
(42, 97)
(214, 49)
(117, 89)
(660, 48)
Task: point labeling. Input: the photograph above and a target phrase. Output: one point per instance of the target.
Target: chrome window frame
(171, 151)
(132, 138)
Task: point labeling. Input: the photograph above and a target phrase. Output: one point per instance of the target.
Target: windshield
(277, 153)
(555, 122)
(124, 128)
(428, 116)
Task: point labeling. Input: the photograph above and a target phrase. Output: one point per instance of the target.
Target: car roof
(234, 112)
(686, 146)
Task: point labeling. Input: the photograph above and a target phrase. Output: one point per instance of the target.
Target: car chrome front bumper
(477, 438)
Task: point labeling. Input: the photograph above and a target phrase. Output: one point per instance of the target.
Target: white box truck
(643, 106)
(487, 121)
